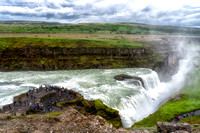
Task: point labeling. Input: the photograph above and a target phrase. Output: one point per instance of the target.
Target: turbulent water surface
(133, 101)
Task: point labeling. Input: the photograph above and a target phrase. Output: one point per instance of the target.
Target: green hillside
(108, 28)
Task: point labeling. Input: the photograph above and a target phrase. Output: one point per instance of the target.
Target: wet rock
(165, 127)
(122, 77)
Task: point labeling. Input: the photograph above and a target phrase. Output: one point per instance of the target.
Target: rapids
(132, 101)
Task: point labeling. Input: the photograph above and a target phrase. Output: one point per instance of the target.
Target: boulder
(166, 127)
(122, 77)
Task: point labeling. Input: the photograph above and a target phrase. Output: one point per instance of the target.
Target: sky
(154, 12)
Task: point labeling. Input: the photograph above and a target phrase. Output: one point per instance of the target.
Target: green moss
(78, 99)
(53, 114)
(42, 62)
(95, 107)
(191, 120)
(109, 114)
(99, 104)
(88, 105)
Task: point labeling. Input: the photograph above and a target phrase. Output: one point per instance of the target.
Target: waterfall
(151, 80)
(133, 101)
(149, 99)
(136, 107)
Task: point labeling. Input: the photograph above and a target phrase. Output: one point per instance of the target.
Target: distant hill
(94, 28)
(29, 22)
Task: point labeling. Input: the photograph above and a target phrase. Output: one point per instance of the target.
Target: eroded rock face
(165, 127)
(122, 77)
(69, 121)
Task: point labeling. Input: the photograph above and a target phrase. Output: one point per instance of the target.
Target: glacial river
(133, 102)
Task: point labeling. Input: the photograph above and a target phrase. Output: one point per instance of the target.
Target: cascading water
(93, 84)
(133, 101)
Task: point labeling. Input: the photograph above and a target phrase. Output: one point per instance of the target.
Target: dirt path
(186, 115)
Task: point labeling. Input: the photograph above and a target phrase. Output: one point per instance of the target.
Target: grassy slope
(192, 120)
(189, 102)
(97, 28)
(18, 42)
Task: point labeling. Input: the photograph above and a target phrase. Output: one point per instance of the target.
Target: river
(132, 101)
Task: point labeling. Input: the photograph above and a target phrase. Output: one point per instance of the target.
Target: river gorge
(134, 99)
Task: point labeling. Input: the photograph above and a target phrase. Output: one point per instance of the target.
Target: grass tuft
(53, 114)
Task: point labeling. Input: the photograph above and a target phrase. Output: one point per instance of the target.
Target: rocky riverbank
(70, 120)
(61, 54)
(56, 109)
(48, 99)
(40, 52)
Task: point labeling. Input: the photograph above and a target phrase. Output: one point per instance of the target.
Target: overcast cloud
(157, 12)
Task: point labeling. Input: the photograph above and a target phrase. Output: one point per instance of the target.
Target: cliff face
(59, 54)
(58, 58)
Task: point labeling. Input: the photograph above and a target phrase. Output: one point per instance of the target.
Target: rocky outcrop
(122, 77)
(170, 65)
(94, 107)
(171, 49)
(68, 121)
(165, 127)
(53, 98)
(71, 120)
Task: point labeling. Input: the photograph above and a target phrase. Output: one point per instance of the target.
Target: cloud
(167, 12)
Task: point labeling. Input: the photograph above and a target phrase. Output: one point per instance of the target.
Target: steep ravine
(61, 58)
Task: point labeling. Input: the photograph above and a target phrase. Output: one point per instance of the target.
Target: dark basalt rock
(122, 77)
(165, 127)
